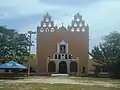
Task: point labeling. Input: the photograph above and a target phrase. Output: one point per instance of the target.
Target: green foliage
(13, 45)
(108, 53)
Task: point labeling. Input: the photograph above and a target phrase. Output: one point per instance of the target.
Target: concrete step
(55, 75)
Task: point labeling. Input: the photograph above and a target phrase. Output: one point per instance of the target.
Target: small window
(66, 56)
(62, 48)
(59, 56)
(70, 57)
(55, 56)
(63, 56)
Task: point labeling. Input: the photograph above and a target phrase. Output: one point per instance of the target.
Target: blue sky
(102, 16)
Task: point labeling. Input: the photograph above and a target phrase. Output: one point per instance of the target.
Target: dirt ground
(64, 80)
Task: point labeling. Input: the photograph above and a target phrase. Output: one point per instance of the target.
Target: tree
(107, 54)
(5, 34)
(13, 45)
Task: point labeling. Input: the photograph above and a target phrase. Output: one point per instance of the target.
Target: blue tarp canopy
(12, 65)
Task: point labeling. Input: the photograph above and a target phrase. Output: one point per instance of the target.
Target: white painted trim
(63, 56)
(103, 73)
(67, 47)
(62, 42)
(54, 56)
(67, 55)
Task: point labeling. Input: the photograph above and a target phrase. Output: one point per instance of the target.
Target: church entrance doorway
(51, 67)
(62, 67)
(73, 66)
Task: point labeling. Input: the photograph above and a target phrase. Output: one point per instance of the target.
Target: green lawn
(38, 86)
(95, 79)
(51, 87)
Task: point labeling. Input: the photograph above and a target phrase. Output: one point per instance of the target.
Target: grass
(51, 87)
(39, 86)
(96, 79)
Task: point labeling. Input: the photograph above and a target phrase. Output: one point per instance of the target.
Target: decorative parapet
(51, 59)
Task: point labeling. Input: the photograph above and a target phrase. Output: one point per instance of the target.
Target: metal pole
(29, 55)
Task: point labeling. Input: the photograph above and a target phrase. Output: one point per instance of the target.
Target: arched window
(70, 56)
(55, 56)
(63, 56)
(59, 56)
(66, 56)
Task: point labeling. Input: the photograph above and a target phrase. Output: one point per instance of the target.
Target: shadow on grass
(11, 78)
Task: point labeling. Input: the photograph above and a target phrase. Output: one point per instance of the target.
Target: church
(64, 49)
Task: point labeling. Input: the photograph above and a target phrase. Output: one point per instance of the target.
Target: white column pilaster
(68, 67)
(67, 47)
(58, 46)
(57, 66)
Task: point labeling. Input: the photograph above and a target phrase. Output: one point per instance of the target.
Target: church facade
(62, 50)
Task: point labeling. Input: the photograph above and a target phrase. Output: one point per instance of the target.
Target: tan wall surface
(78, 46)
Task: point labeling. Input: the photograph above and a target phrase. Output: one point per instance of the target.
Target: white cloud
(15, 8)
(32, 26)
(102, 16)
